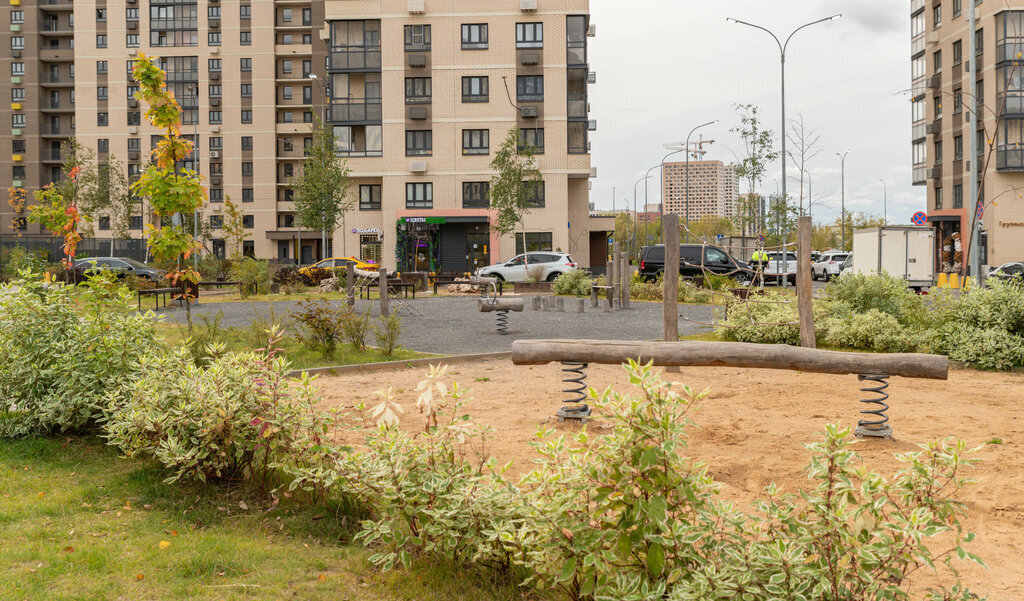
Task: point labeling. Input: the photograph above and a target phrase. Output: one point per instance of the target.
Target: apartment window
(979, 42)
(958, 196)
(248, 222)
(216, 168)
(476, 141)
(417, 37)
(938, 198)
(532, 139)
(918, 67)
(937, 100)
(286, 67)
(419, 195)
(101, 67)
(957, 7)
(417, 90)
(18, 120)
(101, 15)
(245, 11)
(135, 222)
(286, 15)
(216, 222)
(286, 93)
(529, 88)
(17, 42)
(529, 35)
(246, 90)
(248, 248)
(216, 195)
(474, 36)
(18, 146)
(101, 41)
(534, 194)
(246, 169)
(917, 25)
(134, 118)
(475, 195)
(17, 17)
(247, 195)
(958, 52)
(577, 133)
(369, 197)
(18, 69)
(246, 142)
(216, 91)
(213, 38)
(18, 172)
(216, 117)
(102, 119)
(307, 117)
(17, 94)
(288, 171)
(958, 102)
(287, 145)
(419, 143)
(307, 16)
(216, 143)
(245, 65)
(246, 116)
(307, 39)
(104, 223)
(535, 242)
(937, 147)
(134, 145)
(936, 15)
(937, 61)
(102, 93)
(286, 117)
(214, 65)
(307, 95)
(131, 14)
(286, 39)
(307, 68)
(213, 12)
(958, 148)
(475, 89)
(131, 40)
(917, 109)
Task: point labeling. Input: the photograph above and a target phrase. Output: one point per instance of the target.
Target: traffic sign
(760, 239)
(981, 209)
(919, 218)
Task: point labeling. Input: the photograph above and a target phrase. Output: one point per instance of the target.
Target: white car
(778, 267)
(546, 265)
(829, 265)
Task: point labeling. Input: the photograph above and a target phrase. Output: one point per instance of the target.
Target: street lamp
(661, 207)
(885, 203)
(686, 191)
(635, 214)
(842, 179)
(323, 123)
(195, 149)
(782, 54)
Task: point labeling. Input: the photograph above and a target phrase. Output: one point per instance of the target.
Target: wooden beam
(803, 284)
(504, 303)
(730, 354)
(382, 281)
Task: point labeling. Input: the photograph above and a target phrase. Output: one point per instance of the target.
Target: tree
(759, 151)
(234, 229)
(624, 230)
(57, 210)
(780, 222)
(120, 203)
(513, 185)
(807, 145)
(710, 226)
(171, 192)
(321, 189)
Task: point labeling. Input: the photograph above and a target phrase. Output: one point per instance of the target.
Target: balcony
(52, 156)
(1009, 49)
(916, 5)
(355, 59)
(920, 175)
(357, 110)
(918, 132)
(577, 106)
(1009, 158)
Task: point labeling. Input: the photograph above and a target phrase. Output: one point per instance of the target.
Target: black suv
(693, 262)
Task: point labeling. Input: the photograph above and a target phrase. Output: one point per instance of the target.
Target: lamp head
(312, 75)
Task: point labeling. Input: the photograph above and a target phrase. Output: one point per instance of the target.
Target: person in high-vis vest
(758, 261)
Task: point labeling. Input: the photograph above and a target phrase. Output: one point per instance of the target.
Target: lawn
(78, 522)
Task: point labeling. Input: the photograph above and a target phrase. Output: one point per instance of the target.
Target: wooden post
(803, 283)
(382, 282)
(350, 284)
(624, 278)
(670, 304)
(593, 297)
(613, 280)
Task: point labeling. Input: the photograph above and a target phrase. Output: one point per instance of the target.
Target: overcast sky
(665, 66)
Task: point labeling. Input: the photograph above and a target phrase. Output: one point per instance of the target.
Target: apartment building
(940, 108)
(422, 94)
(712, 189)
(249, 76)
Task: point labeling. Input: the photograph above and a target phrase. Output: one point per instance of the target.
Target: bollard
(616, 303)
(382, 284)
(607, 304)
(535, 303)
(594, 303)
(580, 305)
(545, 304)
(560, 304)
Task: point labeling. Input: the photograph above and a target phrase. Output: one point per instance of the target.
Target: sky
(665, 66)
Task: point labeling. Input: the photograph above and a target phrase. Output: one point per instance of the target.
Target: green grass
(78, 522)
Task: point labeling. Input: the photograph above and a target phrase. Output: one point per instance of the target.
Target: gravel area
(452, 325)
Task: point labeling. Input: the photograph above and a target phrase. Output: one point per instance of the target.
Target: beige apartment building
(423, 93)
(712, 189)
(940, 110)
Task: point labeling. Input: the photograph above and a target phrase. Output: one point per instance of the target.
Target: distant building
(713, 189)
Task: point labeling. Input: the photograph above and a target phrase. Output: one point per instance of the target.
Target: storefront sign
(1011, 224)
(365, 230)
(423, 219)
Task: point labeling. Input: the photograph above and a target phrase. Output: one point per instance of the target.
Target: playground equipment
(502, 305)
(876, 368)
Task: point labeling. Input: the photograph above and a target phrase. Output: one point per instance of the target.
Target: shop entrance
(450, 244)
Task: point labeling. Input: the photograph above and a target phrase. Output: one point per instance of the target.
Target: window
(215, 91)
(307, 38)
(248, 222)
(958, 196)
(103, 145)
(101, 67)
(286, 15)
(419, 196)
(475, 89)
(307, 16)
(213, 12)
(917, 109)
(246, 142)
(216, 195)
(535, 242)
(214, 65)
(216, 168)
(474, 36)
(287, 145)
(246, 90)
(419, 143)
(474, 195)
(937, 61)
(286, 93)
(246, 169)
(135, 222)
(18, 146)
(247, 116)
(979, 42)
(134, 144)
(102, 119)
(958, 52)
(533, 139)
(102, 93)
(957, 8)
(216, 222)
(213, 38)
(216, 117)
(286, 39)
(104, 223)
(417, 37)
(529, 88)
(248, 248)
(135, 118)
(307, 68)
(937, 106)
(476, 141)
(101, 15)
(286, 117)
(917, 67)
(18, 69)
(938, 198)
(17, 17)
(307, 95)
(216, 143)
(245, 38)
(101, 41)
(578, 137)
(417, 90)
(19, 171)
(937, 147)
(937, 15)
(534, 194)
(369, 197)
(247, 195)
(529, 35)
(131, 14)
(245, 11)
(285, 220)
(917, 25)
(958, 102)
(17, 94)
(286, 67)
(958, 148)
(246, 65)
(17, 42)
(131, 40)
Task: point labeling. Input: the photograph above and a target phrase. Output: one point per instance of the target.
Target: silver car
(544, 266)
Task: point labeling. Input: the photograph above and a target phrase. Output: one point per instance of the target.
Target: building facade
(941, 106)
(713, 189)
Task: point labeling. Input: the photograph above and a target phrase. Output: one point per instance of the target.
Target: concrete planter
(533, 287)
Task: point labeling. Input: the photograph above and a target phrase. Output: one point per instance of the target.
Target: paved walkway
(452, 325)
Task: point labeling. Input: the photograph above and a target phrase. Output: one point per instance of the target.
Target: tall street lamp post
(195, 150)
(635, 214)
(323, 123)
(686, 191)
(842, 185)
(661, 206)
(885, 203)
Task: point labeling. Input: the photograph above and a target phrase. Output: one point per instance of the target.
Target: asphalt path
(453, 325)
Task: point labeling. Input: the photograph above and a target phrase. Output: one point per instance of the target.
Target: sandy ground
(753, 424)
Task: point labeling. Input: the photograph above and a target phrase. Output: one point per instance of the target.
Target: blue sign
(760, 239)
(919, 218)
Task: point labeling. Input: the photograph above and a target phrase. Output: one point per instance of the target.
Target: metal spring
(878, 427)
(574, 407)
(502, 321)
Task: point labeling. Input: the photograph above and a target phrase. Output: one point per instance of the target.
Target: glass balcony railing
(1010, 158)
(357, 109)
(355, 58)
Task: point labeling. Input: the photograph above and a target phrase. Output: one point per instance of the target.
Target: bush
(386, 333)
(60, 362)
(320, 326)
(982, 327)
(873, 330)
(861, 293)
(252, 274)
(314, 275)
(355, 328)
(770, 319)
(18, 259)
(983, 348)
(572, 283)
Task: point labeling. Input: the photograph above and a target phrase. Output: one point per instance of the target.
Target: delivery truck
(905, 251)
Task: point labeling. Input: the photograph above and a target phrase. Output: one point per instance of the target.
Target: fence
(89, 247)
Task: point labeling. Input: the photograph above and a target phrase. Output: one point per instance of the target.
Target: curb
(386, 365)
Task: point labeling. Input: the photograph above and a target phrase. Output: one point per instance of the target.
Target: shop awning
(291, 235)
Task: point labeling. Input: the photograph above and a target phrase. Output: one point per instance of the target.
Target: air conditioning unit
(133, 103)
(591, 77)
(415, 7)
(214, 154)
(593, 173)
(133, 130)
(215, 129)
(530, 112)
(133, 25)
(529, 58)
(592, 125)
(528, 5)
(592, 31)
(215, 181)
(215, 76)
(215, 50)
(133, 52)
(417, 60)
(215, 24)
(16, 53)
(215, 102)
(133, 156)
(417, 113)
(418, 166)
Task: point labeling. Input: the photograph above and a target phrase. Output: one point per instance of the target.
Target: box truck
(905, 251)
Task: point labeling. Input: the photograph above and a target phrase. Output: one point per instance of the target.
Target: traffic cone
(954, 280)
(943, 281)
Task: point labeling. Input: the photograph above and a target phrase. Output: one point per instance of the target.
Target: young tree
(624, 231)
(171, 192)
(321, 189)
(57, 210)
(759, 151)
(118, 201)
(234, 229)
(513, 185)
(780, 222)
(806, 145)
(710, 226)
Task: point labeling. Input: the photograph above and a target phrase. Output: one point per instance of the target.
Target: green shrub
(252, 274)
(771, 319)
(982, 327)
(312, 276)
(983, 348)
(873, 330)
(386, 333)
(18, 259)
(59, 362)
(572, 283)
(356, 328)
(207, 338)
(887, 293)
(320, 326)
(717, 282)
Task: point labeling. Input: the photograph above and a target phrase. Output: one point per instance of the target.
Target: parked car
(779, 267)
(550, 265)
(123, 266)
(693, 262)
(828, 265)
(847, 264)
(340, 263)
(1014, 270)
